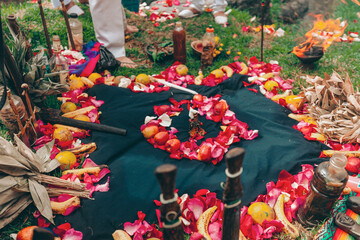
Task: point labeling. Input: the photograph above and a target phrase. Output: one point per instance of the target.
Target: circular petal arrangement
(211, 149)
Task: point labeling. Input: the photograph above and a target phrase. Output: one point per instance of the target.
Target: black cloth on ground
(132, 160)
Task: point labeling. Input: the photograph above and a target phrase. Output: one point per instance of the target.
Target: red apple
(220, 108)
(172, 145)
(163, 109)
(204, 153)
(150, 131)
(161, 138)
(353, 165)
(198, 98)
(26, 233)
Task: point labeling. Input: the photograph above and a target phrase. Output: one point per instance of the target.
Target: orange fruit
(182, 70)
(76, 83)
(68, 107)
(218, 73)
(94, 76)
(66, 159)
(82, 117)
(260, 212)
(270, 85)
(63, 134)
(143, 79)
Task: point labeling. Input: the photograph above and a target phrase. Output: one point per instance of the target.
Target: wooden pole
(262, 30)
(232, 194)
(67, 25)
(16, 29)
(53, 116)
(170, 209)
(45, 29)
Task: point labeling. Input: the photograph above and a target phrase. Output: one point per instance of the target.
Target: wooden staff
(67, 24)
(170, 209)
(42, 234)
(45, 29)
(16, 29)
(53, 116)
(262, 30)
(232, 194)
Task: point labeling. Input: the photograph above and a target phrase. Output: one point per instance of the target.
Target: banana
(198, 79)
(276, 98)
(318, 137)
(228, 70)
(73, 129)
(301, 117)
(87, 82)
(121, 235)
(280, 215)
(85, 148)
(60, 207)
(80, 111)
(330, 153)
(202, 223)
(244, 68)
(80, 172)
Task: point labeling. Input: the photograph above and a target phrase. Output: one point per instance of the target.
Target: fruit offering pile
(211, 149)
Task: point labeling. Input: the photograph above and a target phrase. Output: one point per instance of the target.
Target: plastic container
(58, 62)
(327, 184)
(354, 184)
(179, 39)
(208, 40)
(77, 31)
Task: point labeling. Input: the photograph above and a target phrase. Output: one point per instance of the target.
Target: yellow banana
(318, 136)
(300, 117)
(244, 68)
(203, 222)
(121, 235)
(228, 70)
(60, 207)
(280, 215)
(330, 153)
(87, 82)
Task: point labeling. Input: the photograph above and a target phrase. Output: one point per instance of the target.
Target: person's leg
(219, 7)
(57, 3)
(196, 7)
(109, 27)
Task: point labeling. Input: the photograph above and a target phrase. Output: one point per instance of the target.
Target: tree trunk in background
(293, 10)
(254, 7)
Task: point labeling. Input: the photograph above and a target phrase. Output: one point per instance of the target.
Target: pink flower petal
(96, 103)
(73, 235)
(215, 230)
(196, 236)
(196, 206)
(89, 163)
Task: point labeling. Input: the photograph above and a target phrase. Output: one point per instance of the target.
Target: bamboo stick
(170, 209)
(46, 32)
(67, 25)
(232, 194)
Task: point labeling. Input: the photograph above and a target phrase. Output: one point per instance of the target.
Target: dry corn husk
(335, 105)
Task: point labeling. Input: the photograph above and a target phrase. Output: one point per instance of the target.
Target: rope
(233, 175)
(171, 200)
(233, 204)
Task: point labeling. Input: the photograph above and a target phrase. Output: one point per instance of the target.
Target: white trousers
(109, 22)
(216, 5)
(57, 3)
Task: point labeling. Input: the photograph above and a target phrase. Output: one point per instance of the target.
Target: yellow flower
(217, 39)
(214, 54)
(127, 37)
(220, 49)
(228, 52)
(239, 53)
(221, 44)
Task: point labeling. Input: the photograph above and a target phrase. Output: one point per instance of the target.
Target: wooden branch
(16, 29)
(170, 209)
(67, 25)
(232, 194)
(53, 116)
(45, 29)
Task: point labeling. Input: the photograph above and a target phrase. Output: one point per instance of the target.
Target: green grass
(341, 57)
